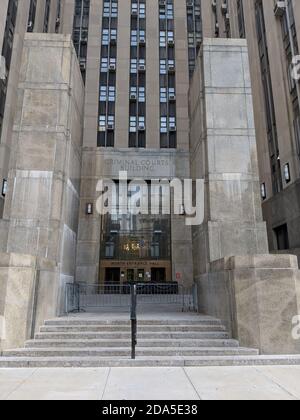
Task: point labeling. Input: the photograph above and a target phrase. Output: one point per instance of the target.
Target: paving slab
(11, 379)
(172, 383)
(58, 384)
(286, 376)
(150, 384)
(238, 383)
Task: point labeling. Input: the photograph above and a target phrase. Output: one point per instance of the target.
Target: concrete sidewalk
(223, 383)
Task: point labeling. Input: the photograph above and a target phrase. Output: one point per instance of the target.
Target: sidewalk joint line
(106, 382)
(190, 381)
(22, 383)
(274, 381)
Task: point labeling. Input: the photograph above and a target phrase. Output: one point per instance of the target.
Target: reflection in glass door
(130, 276)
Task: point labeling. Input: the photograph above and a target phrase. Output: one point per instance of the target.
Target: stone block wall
(28, 296)
(256, 297)
(38, 233)
(223, 152)
(42, 204)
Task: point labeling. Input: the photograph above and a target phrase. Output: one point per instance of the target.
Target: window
(167, 70)
(194, 26)
(108, 68)
(129, 237)
(241, 19)
(137, 88)
(31, 17)
(81, 31)
(46, 16)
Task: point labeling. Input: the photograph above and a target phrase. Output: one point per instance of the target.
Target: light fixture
(263, 191)
(287, 173)
(89, 210)
(4, 187)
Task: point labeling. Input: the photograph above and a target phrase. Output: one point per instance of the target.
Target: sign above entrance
(135, 264)
(139, 166)
(146, 164)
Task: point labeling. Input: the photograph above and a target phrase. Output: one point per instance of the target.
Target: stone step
(94, 342)
(93, 362)
(126, 328)
(125, 352)
(98, 322)
(124, 336)
(127, 343)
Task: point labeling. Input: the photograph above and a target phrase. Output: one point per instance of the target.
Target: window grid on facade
(31, 17)
(58, 17)
(137, 88)
(194, 29)
(225, 7)
(167, 85)
(268, 97)
(241, 19)
(81, 31)
(108, 68)
(216, 19)
(46, 16)
(7, 53)
(291, 48)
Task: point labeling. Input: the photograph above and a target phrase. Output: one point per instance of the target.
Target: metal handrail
(133, 318)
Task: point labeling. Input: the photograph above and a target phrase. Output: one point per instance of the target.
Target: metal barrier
(72, 299)
(85, 297)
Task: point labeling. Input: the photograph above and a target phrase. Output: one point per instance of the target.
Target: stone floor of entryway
(162, 312)
(207, 383)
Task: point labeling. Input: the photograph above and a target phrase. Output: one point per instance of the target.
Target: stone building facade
(157, 98)
(277, 126)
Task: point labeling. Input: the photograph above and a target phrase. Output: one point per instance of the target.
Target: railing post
(195, 297)
(67, 298)
(77, 288)
(133, 319)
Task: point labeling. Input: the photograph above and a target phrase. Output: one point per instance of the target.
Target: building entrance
(135, 248)
(158, 275)
(124, 272)
(112, 275)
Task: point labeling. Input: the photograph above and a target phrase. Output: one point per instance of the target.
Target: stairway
(84, 342)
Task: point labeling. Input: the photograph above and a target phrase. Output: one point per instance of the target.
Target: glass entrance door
(158, 275)
(112, 275)
(130, 275)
